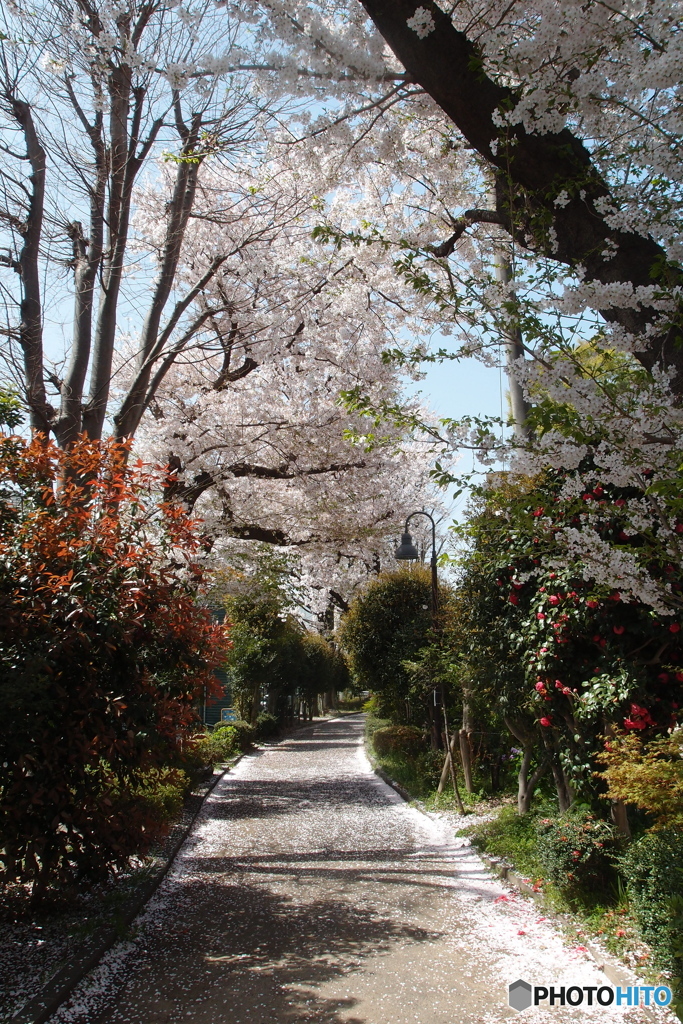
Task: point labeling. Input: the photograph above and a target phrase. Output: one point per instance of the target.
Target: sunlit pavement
(310, 892)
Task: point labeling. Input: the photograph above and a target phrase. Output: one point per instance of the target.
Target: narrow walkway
(310, 892)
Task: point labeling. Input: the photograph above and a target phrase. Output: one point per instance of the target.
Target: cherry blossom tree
(90, 95)
(251, 415)
(566, 123)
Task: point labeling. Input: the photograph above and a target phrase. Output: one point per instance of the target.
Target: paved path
(310, 892)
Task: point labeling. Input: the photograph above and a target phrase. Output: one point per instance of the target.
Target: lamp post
(406, 551)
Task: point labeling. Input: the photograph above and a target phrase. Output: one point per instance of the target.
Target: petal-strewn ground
(309, 891)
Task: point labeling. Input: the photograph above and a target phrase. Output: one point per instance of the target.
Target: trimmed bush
(104, 653)
(578, 850)
(242, 732)
(399, 739)
(162, 791)
(267, 726)
(653, 869)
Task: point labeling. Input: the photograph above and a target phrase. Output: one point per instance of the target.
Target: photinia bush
(103, 654)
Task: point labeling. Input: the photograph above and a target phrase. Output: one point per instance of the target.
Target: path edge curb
(613, 969)
(59, 987)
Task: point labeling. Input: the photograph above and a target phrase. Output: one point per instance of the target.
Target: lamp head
(406, 551)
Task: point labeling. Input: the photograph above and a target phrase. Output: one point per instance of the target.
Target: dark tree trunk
(531, 170)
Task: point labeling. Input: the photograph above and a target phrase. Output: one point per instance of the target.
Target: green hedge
(653, 869)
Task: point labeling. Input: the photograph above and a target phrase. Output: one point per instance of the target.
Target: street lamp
(406, 551)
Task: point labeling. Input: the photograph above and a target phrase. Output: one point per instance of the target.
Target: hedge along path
(310, 891)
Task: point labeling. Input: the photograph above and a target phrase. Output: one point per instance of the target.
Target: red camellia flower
(679, 527)
(679, 677)
(553, 599)
(545, 721)
(540, 687)
(539, 512)
(513, 599)
(623, 536)
(592, 603)
(559, 685)
(663, 677)
(620, 502)
(587, 497)
(540, 615)
(640, 718)
(598, 490)
(674, 627)
(619, 630)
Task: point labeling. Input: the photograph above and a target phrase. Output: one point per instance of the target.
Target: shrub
(429, 766)
(512, 837)
(399, 739)
(647, 775)
(214, 748)
(103, 652)
(653, 869)
(267, 726)
(577, 850)
(162, 792)
(245, 734)
(351, 704)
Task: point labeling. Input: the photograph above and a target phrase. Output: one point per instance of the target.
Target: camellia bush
(103, 653)
(565, 658)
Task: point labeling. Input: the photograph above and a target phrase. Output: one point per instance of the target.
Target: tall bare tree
(89, 106)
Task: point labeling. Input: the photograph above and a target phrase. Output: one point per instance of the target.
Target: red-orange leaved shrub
(103, 655)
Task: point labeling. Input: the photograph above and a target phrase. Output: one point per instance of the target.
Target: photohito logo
(522, 995)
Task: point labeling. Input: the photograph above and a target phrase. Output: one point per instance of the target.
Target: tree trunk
(563, 797)
(446, 765)
(255, 704)
(465, 747)
(526, 785)
(619, 815)
(532, 169)
(434, 726)
(31, 326)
